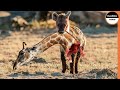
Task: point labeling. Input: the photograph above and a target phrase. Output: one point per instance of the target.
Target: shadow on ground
(5, 33)
(25, 74)
(93, 74)
(89, 31)
(39, 60)
(94, 32)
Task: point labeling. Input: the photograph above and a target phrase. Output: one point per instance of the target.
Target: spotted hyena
(63, 24)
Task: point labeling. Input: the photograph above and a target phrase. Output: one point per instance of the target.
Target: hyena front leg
(76, 62)
(64, 65)
(72, 64)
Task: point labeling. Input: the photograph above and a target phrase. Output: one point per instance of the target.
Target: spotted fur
(65, 40)
(63, 25)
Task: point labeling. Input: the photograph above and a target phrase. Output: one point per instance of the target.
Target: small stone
(56, 74)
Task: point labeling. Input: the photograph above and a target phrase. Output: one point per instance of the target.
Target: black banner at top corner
(73, 5)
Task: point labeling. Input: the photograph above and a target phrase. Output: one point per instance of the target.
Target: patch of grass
(100, 53)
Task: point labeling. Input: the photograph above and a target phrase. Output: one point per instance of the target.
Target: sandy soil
(100, 61)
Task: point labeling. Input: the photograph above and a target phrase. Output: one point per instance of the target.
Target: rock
(40, 73)
(103, 73)
(56, 74)
(25, 73)
(93, 17)
(5, 32)
(4, 14)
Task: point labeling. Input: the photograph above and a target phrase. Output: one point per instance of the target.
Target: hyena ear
(54, 16)
(24, 45)
(68, 14)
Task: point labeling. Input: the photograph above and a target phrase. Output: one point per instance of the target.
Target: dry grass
(49, 24)
(101, 53)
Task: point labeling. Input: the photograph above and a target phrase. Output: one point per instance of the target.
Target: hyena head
(25, 55)
(62, 21)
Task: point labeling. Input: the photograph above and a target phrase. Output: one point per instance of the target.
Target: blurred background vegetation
(40, 20)
(80, 17)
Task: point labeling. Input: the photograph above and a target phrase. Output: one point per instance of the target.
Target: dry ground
(100, 61)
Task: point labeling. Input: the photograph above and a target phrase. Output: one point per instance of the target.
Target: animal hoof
(76, 72)
(63, 71)
(71, 72)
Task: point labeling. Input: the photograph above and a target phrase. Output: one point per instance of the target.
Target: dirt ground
(100, 60)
